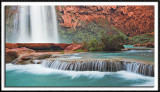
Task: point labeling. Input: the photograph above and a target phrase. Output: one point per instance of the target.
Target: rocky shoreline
(23, 54)
(28, 51)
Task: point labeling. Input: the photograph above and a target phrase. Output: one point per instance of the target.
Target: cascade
(97, 65)
(38, 24)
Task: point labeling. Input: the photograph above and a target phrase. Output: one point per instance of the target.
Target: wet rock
(28, 57)
(10, 56)
(43, 56)
(24, 62)
(34, 58)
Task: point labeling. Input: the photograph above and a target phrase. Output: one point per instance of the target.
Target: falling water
(137, 67)
(38, 24)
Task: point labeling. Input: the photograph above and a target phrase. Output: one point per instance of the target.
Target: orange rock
(61, 45)
(10, 56)
(137, 19)
(72, 48)
(12, 45)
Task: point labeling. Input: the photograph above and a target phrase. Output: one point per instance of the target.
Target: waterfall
(55, 27)
(38, 24)
(96, 65)
(24, 28)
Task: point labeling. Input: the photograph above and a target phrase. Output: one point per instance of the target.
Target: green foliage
(62, 52)
(94, 36)
(80, 50)
(106, 43)
(113, 42)
(93, 44)
(141, 39)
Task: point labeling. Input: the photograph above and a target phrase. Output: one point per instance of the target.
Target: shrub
(106, 43)
(141, 39)
(113, 42)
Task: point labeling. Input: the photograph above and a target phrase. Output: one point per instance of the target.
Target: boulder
(72, 47)
(43, 56)
(34, 58)
(139, 45)
(150, 44)
(23, 50)
(60, 46)
(10, 56)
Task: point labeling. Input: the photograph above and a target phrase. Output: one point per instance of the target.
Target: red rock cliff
(133, 20)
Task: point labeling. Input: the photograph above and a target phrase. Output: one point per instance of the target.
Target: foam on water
(139, 51)
(37, 69)
(71, 57)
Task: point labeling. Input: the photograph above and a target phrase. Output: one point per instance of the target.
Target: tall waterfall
(38, 24)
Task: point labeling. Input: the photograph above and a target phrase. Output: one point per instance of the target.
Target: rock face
(133, 20)
(38, 46)
(12, 54)
(12, 45)
(25, 53)
(72, 48)
(149, 45)
(34, 58)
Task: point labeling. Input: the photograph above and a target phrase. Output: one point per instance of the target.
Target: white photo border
(3, 4)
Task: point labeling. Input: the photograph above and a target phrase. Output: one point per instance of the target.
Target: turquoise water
(147, 55)
(36, 75)
(128, 46)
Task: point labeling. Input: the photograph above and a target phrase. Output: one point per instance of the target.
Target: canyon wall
(132, 20)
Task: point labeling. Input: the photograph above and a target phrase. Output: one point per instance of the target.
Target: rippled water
(133, 54)
(37, 75)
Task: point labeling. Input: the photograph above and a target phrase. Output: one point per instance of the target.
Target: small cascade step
(97, 65)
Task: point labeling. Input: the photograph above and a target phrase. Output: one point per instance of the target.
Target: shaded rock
(37, 46)
(55, 56)
(11, 45)
(150, 44)
(43, 56)
(23, 50)
(72, 48)
(28, 57)
(24, 62)
(139, 45)
(10, 56)
(34, 58)
(60, 46)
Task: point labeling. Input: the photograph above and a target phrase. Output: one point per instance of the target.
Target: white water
(38, 24)
(136, 67)
(37, 69)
